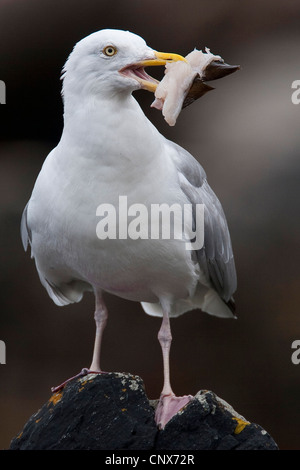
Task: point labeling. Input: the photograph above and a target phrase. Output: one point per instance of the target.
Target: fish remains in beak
(137, 70)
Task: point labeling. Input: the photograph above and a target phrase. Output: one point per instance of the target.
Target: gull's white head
(109, 62)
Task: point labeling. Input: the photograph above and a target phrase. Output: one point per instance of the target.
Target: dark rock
(107, 411)
(209, 423)
(111, 412)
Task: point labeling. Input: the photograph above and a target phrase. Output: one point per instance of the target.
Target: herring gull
(109, 149)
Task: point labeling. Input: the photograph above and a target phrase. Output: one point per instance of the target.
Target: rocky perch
(112, 412)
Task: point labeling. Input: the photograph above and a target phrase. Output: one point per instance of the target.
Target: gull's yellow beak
(162, 58)
(137, 71)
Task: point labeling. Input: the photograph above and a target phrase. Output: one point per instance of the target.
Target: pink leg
(100, 320)
(165, 339)
(168, 404)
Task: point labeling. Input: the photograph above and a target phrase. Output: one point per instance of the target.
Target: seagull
(109, 148)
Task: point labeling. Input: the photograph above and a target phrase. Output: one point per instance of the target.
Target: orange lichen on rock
(241, 424)
(56, 397)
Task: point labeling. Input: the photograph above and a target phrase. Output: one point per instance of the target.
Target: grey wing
(67, 292)
(216, 257)
(25, 231)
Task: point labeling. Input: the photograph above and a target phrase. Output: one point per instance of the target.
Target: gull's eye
(109, 51)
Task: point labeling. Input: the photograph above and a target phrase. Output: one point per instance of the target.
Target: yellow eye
(109, 51)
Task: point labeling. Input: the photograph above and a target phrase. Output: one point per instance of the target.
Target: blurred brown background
(245, 134)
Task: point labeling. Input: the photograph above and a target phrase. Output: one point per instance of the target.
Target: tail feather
(208, 301)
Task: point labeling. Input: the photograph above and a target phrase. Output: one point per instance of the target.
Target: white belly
(66, 246)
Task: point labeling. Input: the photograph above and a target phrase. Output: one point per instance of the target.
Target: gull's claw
(82, 373)
(168, 406)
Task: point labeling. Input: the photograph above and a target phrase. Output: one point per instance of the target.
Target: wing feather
(25, 230)
(216, 258)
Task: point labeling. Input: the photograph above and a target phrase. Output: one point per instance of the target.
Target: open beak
(137, 71)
